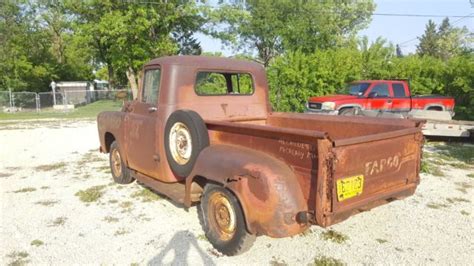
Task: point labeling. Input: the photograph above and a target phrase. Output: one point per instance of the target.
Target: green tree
(377, 58)
(459, 82)
(124, 35)
(295, 76)
(452, 40)
(273, 27)
(38, 47)
(429, 41)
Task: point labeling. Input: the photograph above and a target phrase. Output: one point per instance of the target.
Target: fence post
(11, 99)
(65, 101)
(37, 102)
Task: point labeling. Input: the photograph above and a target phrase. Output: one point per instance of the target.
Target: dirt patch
(50, 167)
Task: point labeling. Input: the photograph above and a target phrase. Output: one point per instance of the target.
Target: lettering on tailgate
(388, 164)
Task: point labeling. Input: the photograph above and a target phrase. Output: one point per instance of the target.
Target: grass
(334, 236)
(381, 241)
(306, 232)
(127, 206)
(463, 186)
(202, 237)
(431, 168)
(37, 243)
(86, 111)
(91, 194)
(104, 169)
(111, 219)
(457, 199)
(44, 187)
(5, 174)
(50, 167)
(121, 231)
(18, 258)
(58, 222)
(146, 195)
(326, 261)
(277, 262)
(89, 157)
(436, 206)
(463, 212)
(458, 151)
(25, 190)
(471, 175)
(47, 202)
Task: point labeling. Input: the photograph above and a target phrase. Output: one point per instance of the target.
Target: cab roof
(209, 62)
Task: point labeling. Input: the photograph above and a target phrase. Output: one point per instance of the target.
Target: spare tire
(185, 137)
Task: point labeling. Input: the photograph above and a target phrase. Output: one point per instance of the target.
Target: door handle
(389, 101)
(152, 109)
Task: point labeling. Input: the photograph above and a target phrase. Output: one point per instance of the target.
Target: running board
(174, 191)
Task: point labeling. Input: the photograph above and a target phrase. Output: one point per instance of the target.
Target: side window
(381, 90)
(216, 83)
(151, 86)
(398, 90)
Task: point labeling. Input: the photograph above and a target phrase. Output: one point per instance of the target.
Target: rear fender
(110, 123)
(266, 188)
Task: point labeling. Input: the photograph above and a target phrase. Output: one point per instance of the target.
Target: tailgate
(374, 169)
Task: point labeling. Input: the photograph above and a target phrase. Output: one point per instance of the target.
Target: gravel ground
(43, 166)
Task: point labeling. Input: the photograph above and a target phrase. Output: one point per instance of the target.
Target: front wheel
(223, 221)
(347, 112)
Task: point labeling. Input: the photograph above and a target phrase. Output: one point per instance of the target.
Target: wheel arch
(109, 138)
(266, 188)
(435, 107)
(349, 106)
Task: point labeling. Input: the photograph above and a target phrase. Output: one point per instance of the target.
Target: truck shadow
(180, 245)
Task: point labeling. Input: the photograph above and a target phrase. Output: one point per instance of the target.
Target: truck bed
(324, 149)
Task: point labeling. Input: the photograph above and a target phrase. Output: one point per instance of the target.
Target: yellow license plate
(349, 187)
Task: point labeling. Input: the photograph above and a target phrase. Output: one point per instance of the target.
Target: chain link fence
(12, 102)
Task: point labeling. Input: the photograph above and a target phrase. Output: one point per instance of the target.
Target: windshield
(357, 88)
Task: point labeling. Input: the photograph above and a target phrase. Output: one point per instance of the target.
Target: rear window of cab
(221, 83)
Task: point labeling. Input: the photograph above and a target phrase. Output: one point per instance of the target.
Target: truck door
(142, 124)
(401, 101)
(379, 97)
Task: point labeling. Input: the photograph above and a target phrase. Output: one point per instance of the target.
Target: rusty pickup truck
(202, 132)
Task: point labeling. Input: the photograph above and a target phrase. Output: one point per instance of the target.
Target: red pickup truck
(383, 95)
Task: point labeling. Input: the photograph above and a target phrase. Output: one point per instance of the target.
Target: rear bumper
(369, 203)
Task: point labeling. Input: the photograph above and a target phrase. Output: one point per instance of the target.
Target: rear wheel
(435, 108)
(120, 172)
(223, 221)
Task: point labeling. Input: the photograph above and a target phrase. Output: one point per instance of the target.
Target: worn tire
(182, 127)
(347, 112)
(120, 172)
(237, 242)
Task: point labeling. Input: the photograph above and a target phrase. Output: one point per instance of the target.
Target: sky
(398, 30)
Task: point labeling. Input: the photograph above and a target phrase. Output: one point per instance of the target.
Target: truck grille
(314, 105)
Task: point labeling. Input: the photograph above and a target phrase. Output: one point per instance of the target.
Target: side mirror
(373, 94)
